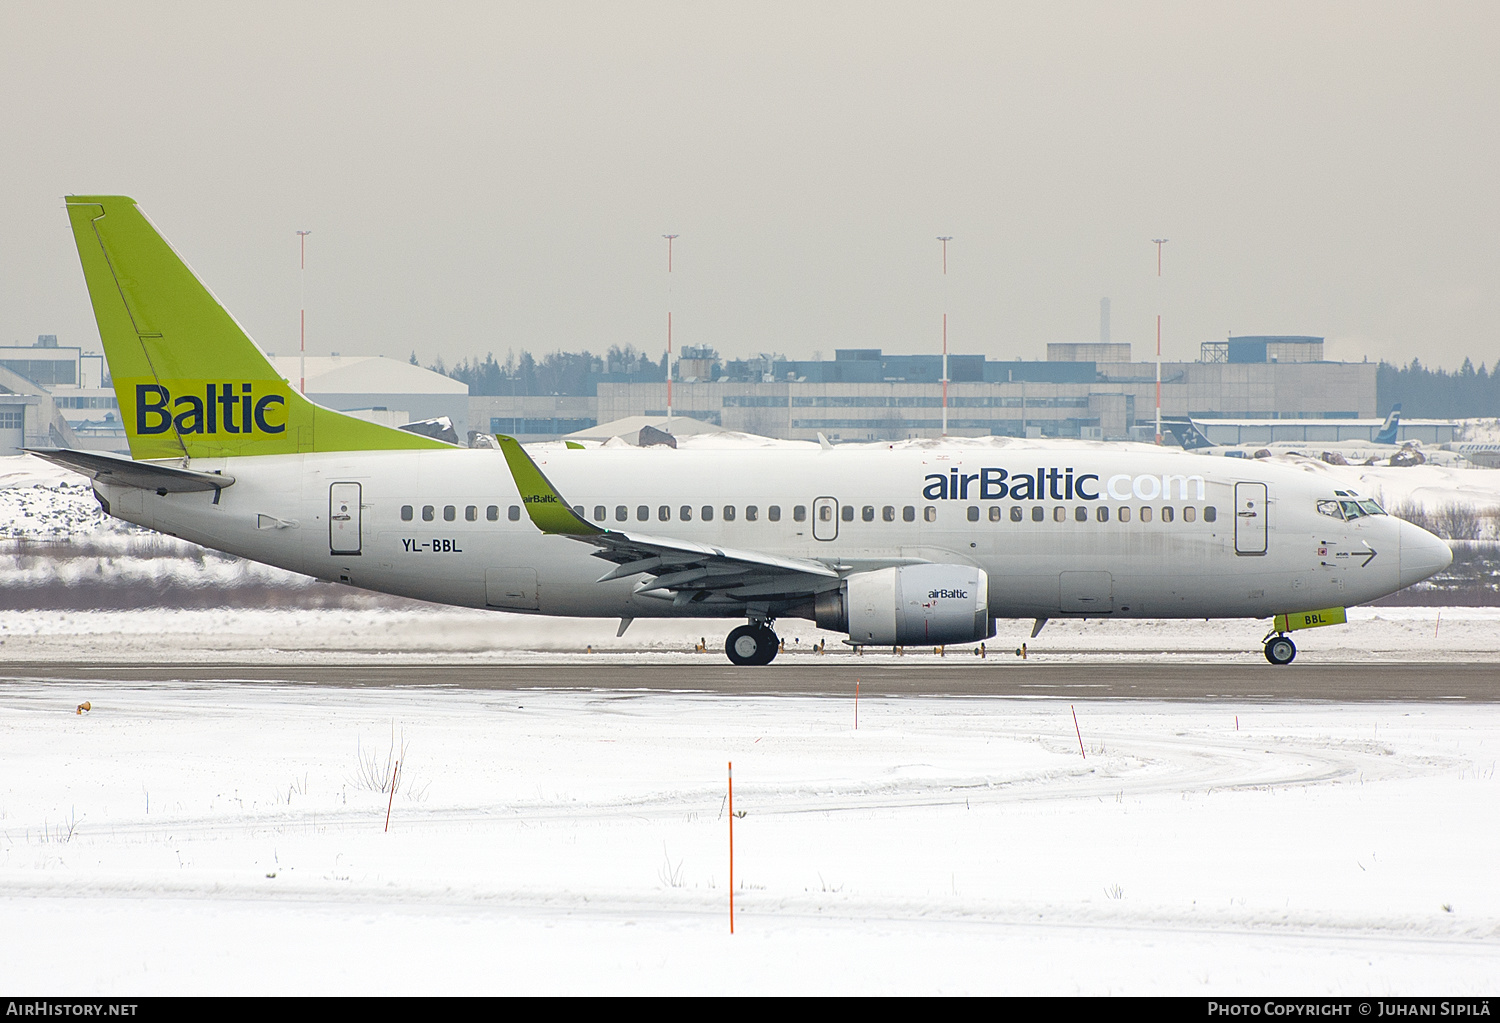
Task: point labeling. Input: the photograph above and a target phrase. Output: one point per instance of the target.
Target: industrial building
(388, 391)
(1242, 390)
(51, 394)
(1082, 390)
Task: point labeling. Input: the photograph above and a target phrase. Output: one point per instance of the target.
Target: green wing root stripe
(548, 511)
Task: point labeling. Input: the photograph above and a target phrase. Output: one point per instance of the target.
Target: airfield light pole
(669, 238)
(1159, 242)
(302, 298)
(945, 239)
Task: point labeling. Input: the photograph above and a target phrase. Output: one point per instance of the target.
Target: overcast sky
(490, 176)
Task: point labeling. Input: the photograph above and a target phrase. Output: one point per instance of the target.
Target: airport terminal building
(1091, 391)
(51, 395)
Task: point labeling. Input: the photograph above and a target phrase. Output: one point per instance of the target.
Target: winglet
(548, 510)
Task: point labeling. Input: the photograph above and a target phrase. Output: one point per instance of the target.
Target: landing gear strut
(752, 644)
(1280, 650)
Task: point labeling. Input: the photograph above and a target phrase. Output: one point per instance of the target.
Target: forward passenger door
(1250, 518)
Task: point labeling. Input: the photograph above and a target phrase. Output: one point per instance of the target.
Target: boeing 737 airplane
(890, 545)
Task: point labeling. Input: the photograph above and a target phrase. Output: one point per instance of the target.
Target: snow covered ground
(229, 838)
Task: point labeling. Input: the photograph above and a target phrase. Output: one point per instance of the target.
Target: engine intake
(910, 604)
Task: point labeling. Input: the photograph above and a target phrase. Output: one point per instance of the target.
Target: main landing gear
(1280, 650)
(755, 643)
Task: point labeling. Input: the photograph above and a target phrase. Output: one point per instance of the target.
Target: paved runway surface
(1479, 683)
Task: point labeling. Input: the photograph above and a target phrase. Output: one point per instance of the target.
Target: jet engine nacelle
(911, 604)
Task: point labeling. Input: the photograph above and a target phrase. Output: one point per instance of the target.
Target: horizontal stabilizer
(118, 471)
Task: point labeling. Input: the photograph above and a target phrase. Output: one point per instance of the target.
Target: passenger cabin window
(406, 513)
(1016, 514)
(599, 512)
(471, 513)
(1189, 514)
(1210, 514)
(995, 513)
(515, 513)
(707, 511)
(908, 514)
(622, 513)
(1166, 513)
(449, 513)
(642, 513)
(774, 513)
(751, 513)
(492, 513)
(1059, 514)
(848, 513)
(685, 513)
(428, 513)
(888, 513)
(1102, 514)
(1038, 514)
(664, 513)
(578, 510)
(1081, 514)
(973, 513)
(729, 513)
(867, 513)
(1146, 514)
(1124, 514)
(799, 513)
(929, 514)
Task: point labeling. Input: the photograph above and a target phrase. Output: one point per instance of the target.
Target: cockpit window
(1349, 506)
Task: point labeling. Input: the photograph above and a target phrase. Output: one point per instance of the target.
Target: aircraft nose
(1421, 553)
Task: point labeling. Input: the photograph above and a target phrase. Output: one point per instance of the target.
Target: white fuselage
(1197, 537)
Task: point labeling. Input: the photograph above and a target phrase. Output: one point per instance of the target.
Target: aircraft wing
(678, 570)
(687, 572)
(118, 470)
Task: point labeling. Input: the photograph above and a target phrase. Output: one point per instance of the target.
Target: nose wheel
(752, 645)
(1280, 650)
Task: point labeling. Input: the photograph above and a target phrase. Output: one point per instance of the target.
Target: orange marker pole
(856, 705)
(392, 802)
(1080, 734)
(731, 847)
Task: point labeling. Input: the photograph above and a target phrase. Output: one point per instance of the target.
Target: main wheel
(1280, 650)
(752, 645)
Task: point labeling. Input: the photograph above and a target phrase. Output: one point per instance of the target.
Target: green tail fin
(190, 381)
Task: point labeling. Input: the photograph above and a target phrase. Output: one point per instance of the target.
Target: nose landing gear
(1280, 650)
(752, 644)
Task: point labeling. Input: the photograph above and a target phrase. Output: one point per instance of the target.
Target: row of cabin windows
(450, 513)
(825, 513)
(685, 513)
(1101, 513)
